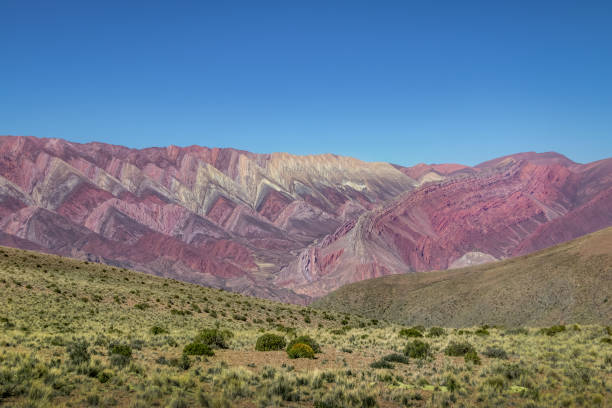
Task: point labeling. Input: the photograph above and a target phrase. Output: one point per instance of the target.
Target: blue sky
(404, 82)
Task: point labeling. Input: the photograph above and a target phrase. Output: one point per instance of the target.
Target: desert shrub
(436, 332)
(141, 306)
(458, 349)
(305, 340)
(482, 331)
(240, 317)
(183, 363)
(497, 383)
(198, 349)
(517, 330)
(78, 351)
(214, 337)
(382, 363)
(120, 354)
(451, 383)
(496, 352)
(417, 349)
(606, 340)
(300, 350)
(552, 330)
(396, 358)
(510, 371)
(155, 330)
(104, 376)
(471, 357)
(608, 330)
(411, 332)
(269, 341)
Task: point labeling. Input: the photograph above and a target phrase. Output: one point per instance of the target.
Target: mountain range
(286, 227)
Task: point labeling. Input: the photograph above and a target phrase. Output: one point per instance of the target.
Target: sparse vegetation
(57, 350)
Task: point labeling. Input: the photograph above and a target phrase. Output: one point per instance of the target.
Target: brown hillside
(568, 283)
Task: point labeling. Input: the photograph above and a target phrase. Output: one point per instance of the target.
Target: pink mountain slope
(220, 217)
(282, 226)
(506, 207)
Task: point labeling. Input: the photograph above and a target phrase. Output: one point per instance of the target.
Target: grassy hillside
(78, 334)
(569, 283)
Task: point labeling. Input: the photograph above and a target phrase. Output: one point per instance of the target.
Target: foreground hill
(571, 282)
(81, 334)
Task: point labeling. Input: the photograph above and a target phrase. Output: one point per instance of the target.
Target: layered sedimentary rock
(221, 217)
(283, 226)
(503, 208)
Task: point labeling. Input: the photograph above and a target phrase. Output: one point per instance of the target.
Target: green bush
(552, 330)
(104, 376)
(300, 350)
(78, 351)
(269, 341)
(198, 349)
(381, 364)
(497, 383)
(305, 340)
(396, 358)
(496, 352)
(436, 332)
(606, 340)
(120, 349)
(183, 363)
(417, 349)
(510, 371)
(158, 330)
(472, 357)
(120, 354)
(457, 349)
(517, 330)
(214, 337)
(411, 332)
(482, 332)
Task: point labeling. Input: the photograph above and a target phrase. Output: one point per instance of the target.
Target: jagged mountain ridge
(506, 207)
(281, 226)
(221, 217)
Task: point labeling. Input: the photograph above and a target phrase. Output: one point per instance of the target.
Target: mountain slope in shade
(220, 217)
(568, 283)
(499, 209)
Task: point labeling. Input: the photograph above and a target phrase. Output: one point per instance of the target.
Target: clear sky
(403, 82)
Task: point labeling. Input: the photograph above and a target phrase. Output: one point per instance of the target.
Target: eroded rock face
(499, 209)
(282, 226)
(220, 217)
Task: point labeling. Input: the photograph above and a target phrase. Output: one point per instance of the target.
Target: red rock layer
(510, 206)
